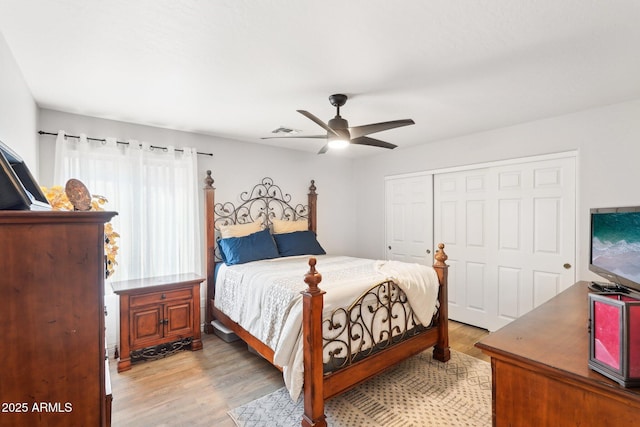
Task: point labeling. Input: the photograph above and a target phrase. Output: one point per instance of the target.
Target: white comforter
(264, 298)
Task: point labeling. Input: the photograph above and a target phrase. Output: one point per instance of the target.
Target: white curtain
(155, 194)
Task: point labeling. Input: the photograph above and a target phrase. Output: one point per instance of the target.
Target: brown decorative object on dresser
(541, 374)
(52, 363)
(267, 202)
(78, 194)
(158, 316)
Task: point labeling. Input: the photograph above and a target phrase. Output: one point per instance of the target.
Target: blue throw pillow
(254, 247)
(298, 243)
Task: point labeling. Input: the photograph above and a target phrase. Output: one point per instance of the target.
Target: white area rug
(418, 392)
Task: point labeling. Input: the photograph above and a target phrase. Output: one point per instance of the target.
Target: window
(155, 194)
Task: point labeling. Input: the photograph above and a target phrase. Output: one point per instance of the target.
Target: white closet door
(509, 232)
(409, 218)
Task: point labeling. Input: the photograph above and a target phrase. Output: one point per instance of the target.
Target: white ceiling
(241, 68)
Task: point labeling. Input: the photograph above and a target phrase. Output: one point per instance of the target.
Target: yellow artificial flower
(57, 198)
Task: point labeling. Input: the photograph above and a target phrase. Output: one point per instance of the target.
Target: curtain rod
(41, 132)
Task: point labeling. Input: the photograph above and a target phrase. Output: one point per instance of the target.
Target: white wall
(607, 140)
(18, 110)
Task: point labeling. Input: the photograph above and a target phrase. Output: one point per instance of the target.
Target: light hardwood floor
(198, 388)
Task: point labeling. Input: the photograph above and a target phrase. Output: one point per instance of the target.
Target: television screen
(615, 245)
(18, 188)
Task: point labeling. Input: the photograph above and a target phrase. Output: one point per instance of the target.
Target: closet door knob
(567, 266)
(428, 251)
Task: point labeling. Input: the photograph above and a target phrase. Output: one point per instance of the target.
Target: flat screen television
(18, 189)
(615, 245)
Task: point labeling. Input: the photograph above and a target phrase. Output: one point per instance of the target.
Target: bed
(326, 339)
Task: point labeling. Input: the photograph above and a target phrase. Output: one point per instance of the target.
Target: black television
(18, 189)
(615, 246)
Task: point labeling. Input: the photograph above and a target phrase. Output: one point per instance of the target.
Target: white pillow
(281, 227)
(240, 230)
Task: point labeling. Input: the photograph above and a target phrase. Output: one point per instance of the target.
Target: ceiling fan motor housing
(340, 126)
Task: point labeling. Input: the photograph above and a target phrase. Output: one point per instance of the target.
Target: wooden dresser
(52, 361)
(541, 375)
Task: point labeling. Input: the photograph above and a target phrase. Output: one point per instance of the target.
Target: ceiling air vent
(282, 130)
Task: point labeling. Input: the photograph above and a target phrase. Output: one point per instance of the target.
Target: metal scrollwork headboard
(265, 202)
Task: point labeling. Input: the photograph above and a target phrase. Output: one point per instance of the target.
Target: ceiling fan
(339, 134)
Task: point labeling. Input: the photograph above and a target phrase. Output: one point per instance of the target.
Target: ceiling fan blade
(363, 130)
(324, 149)
(319, 122)
(365, 140)
(296, 136)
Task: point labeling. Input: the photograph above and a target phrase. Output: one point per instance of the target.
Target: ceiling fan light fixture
(341, 138)
(338, 143)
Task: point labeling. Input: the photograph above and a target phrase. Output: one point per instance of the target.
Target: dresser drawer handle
(163, 296)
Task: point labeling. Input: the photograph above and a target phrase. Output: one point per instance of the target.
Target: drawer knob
(163, 296)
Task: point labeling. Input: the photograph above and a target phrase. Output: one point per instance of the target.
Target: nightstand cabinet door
(147, 325)
(179, 320)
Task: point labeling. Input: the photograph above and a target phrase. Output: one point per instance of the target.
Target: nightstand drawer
(156, 297)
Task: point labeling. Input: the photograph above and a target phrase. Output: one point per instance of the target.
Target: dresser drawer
(157, 297)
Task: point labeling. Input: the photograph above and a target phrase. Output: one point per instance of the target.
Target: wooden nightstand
(158, 316)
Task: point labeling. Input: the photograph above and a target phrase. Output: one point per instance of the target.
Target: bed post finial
(208, 181)
(312, 303)
(440, 256)
(312, 278)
